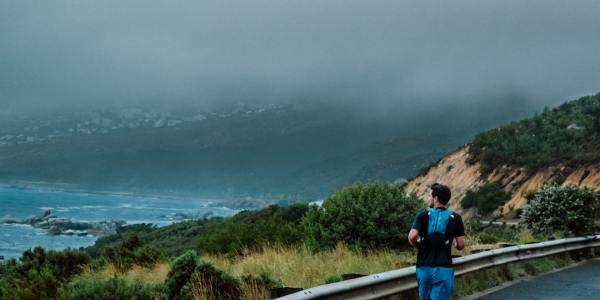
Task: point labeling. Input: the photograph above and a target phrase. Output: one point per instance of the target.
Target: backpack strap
(424, 225)
(451, 228)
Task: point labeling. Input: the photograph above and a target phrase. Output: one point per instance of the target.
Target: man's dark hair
(442, 192)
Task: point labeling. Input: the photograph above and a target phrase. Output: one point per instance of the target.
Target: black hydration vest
(436, 238)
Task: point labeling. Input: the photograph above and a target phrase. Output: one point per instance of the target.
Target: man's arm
(460, 234)
(460, 242)
(413, 237)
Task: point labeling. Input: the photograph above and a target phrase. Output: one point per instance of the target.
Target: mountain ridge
(463, 170)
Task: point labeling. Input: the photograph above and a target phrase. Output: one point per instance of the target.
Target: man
(433, 233)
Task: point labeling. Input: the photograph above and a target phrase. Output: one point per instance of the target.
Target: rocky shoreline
(57, 226)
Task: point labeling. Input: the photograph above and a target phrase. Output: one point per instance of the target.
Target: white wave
(92, 206)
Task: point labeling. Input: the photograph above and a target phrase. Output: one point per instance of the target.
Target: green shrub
(333, 278)
(8, 274)
(67, 263)
(274, 225)
(555, 208)
(115, 240)
(363, 216)
(147, 257)
(191, 277)
(214, 283)
(111, 289)
(182, 269)
(486, 199)
(131, 252)
(491, 234)
(39, 273)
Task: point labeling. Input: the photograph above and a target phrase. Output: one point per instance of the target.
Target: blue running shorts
(435, 283)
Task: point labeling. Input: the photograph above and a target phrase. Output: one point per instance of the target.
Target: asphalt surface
(581, 282)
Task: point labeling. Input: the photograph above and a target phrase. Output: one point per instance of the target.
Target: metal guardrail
(393, 282)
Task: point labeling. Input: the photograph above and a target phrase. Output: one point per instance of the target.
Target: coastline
(68, 210)
(239, 203)
(78, 189)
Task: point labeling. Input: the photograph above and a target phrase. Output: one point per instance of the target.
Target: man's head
(440, 194)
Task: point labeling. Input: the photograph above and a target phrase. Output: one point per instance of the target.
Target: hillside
(274, 152)
(558, 146)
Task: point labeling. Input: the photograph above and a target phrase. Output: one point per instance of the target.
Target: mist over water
(375, 56)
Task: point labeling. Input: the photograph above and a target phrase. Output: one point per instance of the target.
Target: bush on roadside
(193, 278)
(111, 289)
(274, 225)
(182, 269)
(486, 199)
(363, 216)
(554, 208)
(209, 283)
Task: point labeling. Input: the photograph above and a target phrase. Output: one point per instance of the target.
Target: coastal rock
(54, 230)
(9, 220)
(106, 227)
(180, 216)
(56, 226)
(45, 214)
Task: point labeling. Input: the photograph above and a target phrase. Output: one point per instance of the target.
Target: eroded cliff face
(454, 171)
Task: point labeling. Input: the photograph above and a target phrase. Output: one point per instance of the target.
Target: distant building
(574, 127)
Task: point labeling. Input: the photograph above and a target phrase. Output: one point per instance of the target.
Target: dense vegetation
(244, 256)
(486, 199)
(114, 288)
(40, 274)
(131, 252)
(570, 209)
(569, 133)
(246, 230)
(363, 216)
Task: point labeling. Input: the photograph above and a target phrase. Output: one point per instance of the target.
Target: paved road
(582, 282)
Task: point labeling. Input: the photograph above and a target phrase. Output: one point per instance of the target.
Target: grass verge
(299, 267)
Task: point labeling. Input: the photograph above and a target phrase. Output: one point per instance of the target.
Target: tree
(594, 112)
(554, 208)
(363, 216)
(486, 199)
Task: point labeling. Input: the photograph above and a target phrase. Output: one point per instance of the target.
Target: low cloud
(380, 55)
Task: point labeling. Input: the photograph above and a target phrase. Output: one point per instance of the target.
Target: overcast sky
(376, 54)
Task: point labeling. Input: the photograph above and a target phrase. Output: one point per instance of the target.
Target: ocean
(80, 206)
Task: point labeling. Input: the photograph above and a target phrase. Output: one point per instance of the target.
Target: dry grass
(157, 274)
(299, 267)
(202, 289)
(253, 291)
(296, 266)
